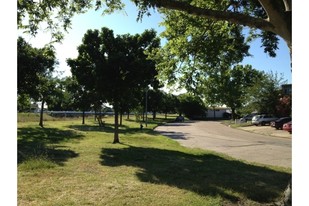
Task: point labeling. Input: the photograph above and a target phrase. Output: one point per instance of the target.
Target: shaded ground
(205, 174)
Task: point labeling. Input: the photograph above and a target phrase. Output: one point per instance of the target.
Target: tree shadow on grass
(43, 142)
(109, 128)
(205, 174)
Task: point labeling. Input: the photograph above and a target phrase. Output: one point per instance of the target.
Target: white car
(263, 119)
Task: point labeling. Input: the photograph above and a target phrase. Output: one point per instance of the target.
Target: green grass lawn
(67, 163)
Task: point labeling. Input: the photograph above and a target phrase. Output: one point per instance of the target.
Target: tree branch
(273, 9)
(288, 5)
(236, 18)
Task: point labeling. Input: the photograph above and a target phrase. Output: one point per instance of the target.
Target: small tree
(169, 104)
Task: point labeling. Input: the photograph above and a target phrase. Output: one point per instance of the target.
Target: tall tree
(117, 65)
(265, 95)
(192, 53)
(229, 86)
(35, 67)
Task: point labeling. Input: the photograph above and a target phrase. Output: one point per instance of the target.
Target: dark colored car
(247, 117)
(278, 124)
(288, 127)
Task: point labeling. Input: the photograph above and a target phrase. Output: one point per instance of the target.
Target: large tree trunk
(41, 114)
(116, 132)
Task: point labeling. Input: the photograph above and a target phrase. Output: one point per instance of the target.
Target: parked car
(278, 124)
(247, 117)
(288, 127)
(180, 119)
(263, 119)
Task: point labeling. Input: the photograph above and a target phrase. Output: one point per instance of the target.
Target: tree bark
(233, 113)
(83, 122)
(128, 115)
(116, 131)
(120, 123)
(41, 114)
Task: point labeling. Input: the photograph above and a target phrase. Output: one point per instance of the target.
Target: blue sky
(125, 22)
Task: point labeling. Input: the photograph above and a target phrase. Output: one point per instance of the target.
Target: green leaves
(196, 46)
(115, 66)
(33, 64)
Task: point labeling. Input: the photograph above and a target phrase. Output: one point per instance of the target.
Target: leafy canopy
(271, 17)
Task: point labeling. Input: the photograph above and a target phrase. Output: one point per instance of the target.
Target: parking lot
(267, 130)
(259, 144)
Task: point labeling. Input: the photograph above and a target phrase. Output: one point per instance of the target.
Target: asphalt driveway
(237, 143)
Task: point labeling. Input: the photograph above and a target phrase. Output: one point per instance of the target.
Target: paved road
(236, 143)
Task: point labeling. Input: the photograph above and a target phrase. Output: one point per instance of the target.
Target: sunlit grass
(67, 163)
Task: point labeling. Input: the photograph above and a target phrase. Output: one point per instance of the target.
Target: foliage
(229, 86)
(265, 95)
(35, 67)
(192, 53)
(115, 67)
(284, 107)
(274, 18)
(32, 65)
(23, 103)
(170, 103)
(191, 106)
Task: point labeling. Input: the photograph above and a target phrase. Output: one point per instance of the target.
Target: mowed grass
(67, 163)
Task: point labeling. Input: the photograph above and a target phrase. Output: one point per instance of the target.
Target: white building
(217, 112)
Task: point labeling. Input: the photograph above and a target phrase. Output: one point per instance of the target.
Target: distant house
(34, 107)
(218, 113)
(286, 89)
